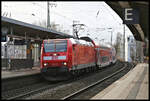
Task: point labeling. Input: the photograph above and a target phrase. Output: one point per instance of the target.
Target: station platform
(22, 72)
(133, 85)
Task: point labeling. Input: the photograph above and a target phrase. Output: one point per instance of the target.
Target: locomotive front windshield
(55, 46)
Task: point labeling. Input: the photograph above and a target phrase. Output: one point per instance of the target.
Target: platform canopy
(141, 30)
(19, 29)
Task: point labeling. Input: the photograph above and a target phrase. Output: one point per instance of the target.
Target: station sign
(131, 16)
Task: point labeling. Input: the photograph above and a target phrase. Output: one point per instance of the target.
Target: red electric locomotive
(60, 58)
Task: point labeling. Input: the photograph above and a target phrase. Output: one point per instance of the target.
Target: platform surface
(22, 72)
(133, 85)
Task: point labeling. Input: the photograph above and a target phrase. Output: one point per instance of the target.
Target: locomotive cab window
(56, 46)
(61, 47)
(49, 47)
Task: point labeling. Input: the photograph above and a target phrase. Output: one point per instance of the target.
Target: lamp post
(48, 17)
(48, 13)
(111, 34)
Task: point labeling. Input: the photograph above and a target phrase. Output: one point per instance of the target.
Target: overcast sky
(97, 16)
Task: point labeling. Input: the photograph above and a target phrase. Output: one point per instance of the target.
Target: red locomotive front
(55, 57)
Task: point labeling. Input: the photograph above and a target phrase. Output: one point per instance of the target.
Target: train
(64, 58)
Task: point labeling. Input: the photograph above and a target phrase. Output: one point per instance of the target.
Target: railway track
(62, 91)
(51, 87)
(79, 92)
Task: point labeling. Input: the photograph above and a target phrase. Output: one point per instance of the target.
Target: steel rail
(94, 84)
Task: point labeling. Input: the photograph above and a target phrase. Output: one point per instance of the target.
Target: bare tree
(6, 14)
(54, 26)
(41, 24)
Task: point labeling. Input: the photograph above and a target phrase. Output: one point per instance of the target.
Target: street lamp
(33, 14)
(36, 17)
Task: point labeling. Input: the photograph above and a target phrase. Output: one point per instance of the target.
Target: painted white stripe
(61, 57)
(47, 58)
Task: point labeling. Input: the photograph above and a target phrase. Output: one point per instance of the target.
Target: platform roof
(141, 30)
(22, 29)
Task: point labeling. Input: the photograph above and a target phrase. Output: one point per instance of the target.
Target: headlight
(45, 64)
(65, 63)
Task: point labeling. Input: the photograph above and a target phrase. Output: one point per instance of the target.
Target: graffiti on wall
(14, 51)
